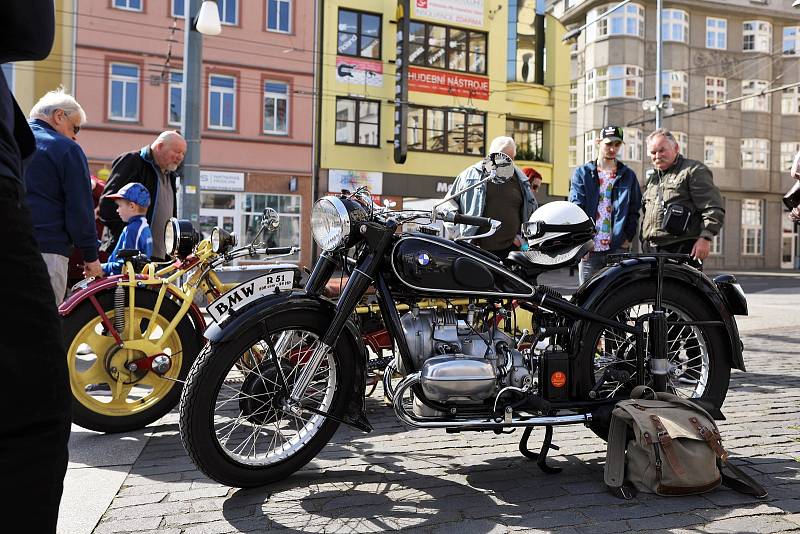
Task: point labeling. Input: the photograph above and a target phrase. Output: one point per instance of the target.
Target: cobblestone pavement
(430, 481)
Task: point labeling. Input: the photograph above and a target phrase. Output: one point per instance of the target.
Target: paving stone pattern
(431, 481)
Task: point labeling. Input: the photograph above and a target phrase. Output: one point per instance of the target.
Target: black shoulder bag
(676, 215)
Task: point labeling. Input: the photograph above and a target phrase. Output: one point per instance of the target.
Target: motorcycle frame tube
(606, 283)
(321, 274)
(257, 314)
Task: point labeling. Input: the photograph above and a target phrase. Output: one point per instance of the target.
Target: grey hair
(500, 144)
(664, 133)
(167, 137)
(54, 100)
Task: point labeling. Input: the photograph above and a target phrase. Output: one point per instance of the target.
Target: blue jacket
(626, 198)
(59, 194)
(473, 202)
(137, 236)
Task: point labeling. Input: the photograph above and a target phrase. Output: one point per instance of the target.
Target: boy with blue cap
(132, 201)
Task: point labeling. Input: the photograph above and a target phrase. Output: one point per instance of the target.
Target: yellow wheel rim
(93, 355)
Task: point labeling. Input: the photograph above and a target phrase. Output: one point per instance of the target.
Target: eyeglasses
(75, 129)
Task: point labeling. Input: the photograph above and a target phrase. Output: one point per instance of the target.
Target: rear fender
(603, 286)
(110, 284)
(349, 343)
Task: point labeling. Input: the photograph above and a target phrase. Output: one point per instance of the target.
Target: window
(359, 34)
(175, 98)
(716, 33)
(632, 147)
(289, 208)
(572, 153)
(716, 91)
(683, 142)
(627, 20)
(357, 122)
(443, 47)
(440, 130)
(221, 102)
(757, 36)
(529, 137)
(590, 145)
(716, 243)
(791, 41)
(714, 151)
(675, 25)
(675, 83)
(279, 13)
(752, 227)
(123, 103)
(8, 73)
(790, 101)
(756, 103)
(573, 96)
(179, 8)
(276, 108)
(228, 11)
(755, 153)
(130, 5)
(614, 81)
(788, 151)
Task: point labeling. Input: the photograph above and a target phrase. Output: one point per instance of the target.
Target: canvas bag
(676, 449)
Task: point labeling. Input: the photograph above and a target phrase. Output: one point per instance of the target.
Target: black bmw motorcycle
(644, 320)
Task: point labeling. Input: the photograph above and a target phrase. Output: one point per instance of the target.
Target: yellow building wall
(34, 78)
(518, 100)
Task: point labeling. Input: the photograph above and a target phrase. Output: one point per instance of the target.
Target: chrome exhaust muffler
(475, 424)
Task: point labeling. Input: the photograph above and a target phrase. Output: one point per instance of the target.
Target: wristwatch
(706, 238)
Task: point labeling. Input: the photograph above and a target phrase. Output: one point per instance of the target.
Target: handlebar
(459, 218)
(280, 250)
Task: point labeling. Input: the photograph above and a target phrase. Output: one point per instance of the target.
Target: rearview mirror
(270, 220)
(499, 167)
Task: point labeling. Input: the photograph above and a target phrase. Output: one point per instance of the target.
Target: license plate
(245, 293)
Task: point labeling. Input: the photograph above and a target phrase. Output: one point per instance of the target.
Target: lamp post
(207, 22)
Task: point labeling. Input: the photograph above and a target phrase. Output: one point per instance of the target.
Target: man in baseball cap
(607, 190)
(132, 201)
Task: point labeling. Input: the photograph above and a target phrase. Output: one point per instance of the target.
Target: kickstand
(541, 456)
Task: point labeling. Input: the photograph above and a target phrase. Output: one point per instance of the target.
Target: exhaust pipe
(474, 424)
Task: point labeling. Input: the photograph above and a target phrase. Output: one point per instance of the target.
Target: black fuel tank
(431, 264)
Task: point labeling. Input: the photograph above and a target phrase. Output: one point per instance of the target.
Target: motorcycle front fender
(606, 283)
(350, 341)
(109, 283)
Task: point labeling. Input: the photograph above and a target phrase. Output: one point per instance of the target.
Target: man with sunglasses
(59, 190)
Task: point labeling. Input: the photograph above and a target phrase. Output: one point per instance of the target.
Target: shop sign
(359, 71)
(352, 180)
(461, 12)
(221, 181)
(447, 83)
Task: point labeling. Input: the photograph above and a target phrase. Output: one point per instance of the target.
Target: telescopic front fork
(657, 329)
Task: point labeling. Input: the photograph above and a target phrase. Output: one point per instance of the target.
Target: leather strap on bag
(665, 440)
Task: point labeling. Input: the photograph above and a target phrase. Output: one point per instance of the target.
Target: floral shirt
(603, 219)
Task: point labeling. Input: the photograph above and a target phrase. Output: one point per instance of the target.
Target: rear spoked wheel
(236, 423)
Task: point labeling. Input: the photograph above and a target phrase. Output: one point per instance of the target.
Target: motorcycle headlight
(330, 223)
(221, 240)
(180, 238)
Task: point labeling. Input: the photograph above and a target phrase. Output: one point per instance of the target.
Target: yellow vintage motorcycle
(131, 338)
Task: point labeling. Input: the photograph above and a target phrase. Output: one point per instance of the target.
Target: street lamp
(207, 22)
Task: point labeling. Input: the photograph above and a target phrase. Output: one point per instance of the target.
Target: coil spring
(549, 291)
(119, 309)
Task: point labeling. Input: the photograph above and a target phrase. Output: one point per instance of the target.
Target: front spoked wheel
(696, 353)
(235, 422)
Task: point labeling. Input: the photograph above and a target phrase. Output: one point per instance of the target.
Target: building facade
(256, 107)
(476, 70)
(712, 51)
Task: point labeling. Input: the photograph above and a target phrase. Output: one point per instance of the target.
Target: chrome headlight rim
(180, 238)
(343, 219)
(221, 240)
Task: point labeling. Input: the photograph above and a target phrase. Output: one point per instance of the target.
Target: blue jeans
(593, 262)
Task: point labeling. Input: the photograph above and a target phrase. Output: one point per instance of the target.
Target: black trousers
(35, 424)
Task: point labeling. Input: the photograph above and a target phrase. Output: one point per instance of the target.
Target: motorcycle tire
(697, 363)
(250, 406)
(97, 404)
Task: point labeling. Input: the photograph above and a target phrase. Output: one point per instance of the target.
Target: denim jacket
(473, 201)
(626, 198)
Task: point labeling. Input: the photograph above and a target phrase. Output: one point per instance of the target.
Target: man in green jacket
(689, 183)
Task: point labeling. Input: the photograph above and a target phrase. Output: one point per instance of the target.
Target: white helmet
(558, 225)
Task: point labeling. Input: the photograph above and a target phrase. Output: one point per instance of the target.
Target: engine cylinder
(448, 379)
